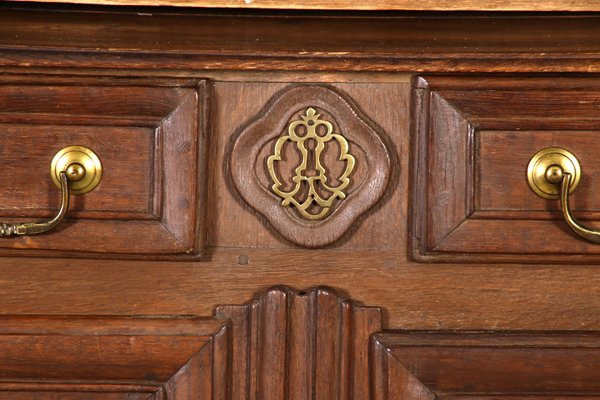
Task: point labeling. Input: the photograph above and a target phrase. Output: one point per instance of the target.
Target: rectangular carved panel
(149, 139)
(474, 138)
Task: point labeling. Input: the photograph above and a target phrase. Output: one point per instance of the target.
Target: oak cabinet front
(304, 205)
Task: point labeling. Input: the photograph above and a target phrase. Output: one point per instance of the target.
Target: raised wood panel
(428, 365)
(476, 136)
(112, 358)
(150, 142)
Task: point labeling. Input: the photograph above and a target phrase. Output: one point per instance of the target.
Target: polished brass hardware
(33, 228)
(546, 169)
(82, 166)
(299, 132)
(76, 170)
(576, 226)
(554, 173)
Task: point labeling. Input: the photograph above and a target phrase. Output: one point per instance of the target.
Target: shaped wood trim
(253, 176)
(300, 345)
(299, 43)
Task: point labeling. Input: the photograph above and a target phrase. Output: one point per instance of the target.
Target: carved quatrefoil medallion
(310, 163)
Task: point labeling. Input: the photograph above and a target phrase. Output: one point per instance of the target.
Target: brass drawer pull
(75, 170)
(554, 173)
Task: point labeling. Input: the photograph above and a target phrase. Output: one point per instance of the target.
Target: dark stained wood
(476, 141)
(247, 157)
(485, 365)
(497, 43)
(149, 141)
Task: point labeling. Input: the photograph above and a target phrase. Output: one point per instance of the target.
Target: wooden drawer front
(475, 137)
(147, 138)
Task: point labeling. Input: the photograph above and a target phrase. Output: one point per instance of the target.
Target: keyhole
(311, 160)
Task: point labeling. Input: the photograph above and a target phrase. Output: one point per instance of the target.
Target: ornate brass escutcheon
(316, 202)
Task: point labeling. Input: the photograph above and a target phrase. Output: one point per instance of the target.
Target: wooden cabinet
(297, 205)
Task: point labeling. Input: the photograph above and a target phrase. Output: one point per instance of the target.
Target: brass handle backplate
(75, 170)
(554, 173)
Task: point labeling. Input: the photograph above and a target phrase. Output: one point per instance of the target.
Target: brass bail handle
(75, 170)
(554, 173)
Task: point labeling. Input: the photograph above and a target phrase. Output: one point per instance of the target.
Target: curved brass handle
(33, 228)
(576, 226)
(75, 170)
(554, 173)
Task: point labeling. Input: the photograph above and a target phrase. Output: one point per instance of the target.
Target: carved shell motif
(311, 164)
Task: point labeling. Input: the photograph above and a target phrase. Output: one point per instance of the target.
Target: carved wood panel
(310, 163)
(150, 140)
(286, 345)
(113, 358)
(474, 138)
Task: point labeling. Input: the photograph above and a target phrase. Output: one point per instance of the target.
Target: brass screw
(75, 172)
(554, 174)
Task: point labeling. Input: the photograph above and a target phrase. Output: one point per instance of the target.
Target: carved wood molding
(302, 346)
(311, 164)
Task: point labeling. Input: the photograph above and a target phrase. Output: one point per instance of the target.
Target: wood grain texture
(150, 142)
(427, 5)
(112, 358)
(233, 223)
(306, 345)
(252, 147)
(360, 55)
(476, 141)
(425, 365)
(207, 41)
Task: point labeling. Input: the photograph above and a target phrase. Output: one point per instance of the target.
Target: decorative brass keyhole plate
(320, 195)
(311, 163)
